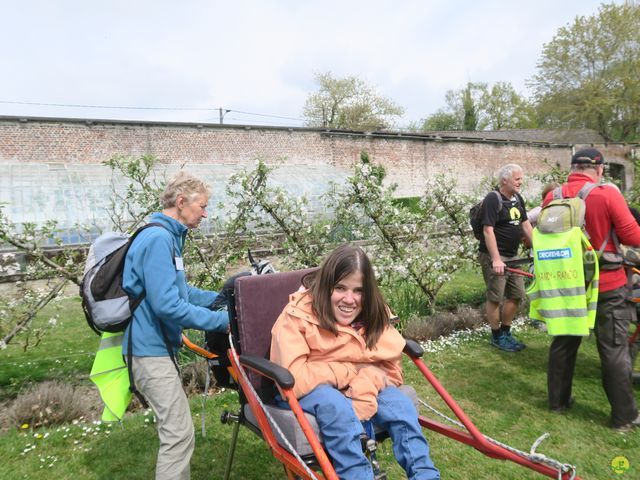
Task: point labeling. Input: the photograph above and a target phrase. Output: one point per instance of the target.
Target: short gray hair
(507, 171)
(580, 167)
(185, 184)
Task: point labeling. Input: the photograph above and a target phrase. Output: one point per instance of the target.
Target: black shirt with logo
(506, 222)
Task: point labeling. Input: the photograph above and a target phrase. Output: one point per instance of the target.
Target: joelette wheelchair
(292, 435)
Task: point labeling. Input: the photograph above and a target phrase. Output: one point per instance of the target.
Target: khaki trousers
(158, 380)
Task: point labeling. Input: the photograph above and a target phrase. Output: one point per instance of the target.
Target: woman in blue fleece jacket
(154, 266)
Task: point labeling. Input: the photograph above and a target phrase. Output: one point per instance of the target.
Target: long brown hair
(340, 263)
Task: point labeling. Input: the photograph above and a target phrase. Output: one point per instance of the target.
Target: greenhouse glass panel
(78, 197)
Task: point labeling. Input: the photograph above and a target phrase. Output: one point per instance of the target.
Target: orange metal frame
(472, 436)
(206, 354)
(290, 463)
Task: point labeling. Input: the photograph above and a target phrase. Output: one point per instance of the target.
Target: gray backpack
(107, 306)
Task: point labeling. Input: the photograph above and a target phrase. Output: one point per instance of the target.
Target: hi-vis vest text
(559, 295)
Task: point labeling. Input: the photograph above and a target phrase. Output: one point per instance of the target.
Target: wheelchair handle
(412, 348)
(519, 272)
(196, 349)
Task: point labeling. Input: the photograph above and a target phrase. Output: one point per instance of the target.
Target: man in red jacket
(606, 213)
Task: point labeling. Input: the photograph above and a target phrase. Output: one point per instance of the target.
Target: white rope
(273, 423)
(532, 455)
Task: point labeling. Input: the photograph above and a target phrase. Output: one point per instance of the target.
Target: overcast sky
(259, 57)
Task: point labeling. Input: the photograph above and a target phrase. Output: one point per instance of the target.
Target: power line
(128, 107)
(261, 122)
(195, 109)
(272, 116)
(104, 106)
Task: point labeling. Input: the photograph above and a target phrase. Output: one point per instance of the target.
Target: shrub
(48, 403)
(442, 323)
(194, 377)
(405, 300)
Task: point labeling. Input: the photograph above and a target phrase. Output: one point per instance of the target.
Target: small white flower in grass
(53, 321)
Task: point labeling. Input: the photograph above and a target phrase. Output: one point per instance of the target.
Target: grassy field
(504, 394)
(65, 352)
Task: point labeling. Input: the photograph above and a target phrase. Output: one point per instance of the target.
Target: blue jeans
(341, 432)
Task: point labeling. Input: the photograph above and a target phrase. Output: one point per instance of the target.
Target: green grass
(504, 394)
(65, 352)
(466, 287)
(88, 451)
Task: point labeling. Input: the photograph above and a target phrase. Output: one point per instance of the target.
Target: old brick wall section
(93, 142)
(409, 160)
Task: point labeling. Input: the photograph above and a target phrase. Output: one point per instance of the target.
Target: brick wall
(409, 160)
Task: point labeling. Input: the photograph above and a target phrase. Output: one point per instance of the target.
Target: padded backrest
(259, 300)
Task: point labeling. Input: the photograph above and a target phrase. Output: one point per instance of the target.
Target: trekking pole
(519, 272)
(634, 336)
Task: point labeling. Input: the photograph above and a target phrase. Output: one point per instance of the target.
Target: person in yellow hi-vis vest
(607, 221)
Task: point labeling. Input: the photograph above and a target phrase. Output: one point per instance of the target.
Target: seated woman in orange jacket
(336, 339)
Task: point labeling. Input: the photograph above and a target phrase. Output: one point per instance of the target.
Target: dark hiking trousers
(562, 361)
(613, 316)
(615, 312)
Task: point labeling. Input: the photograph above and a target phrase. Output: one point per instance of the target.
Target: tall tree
(461, 112)
(589, 74)
(349, 103)
(442, 120)
(470, 109)
(503, 108)
(479, 106)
